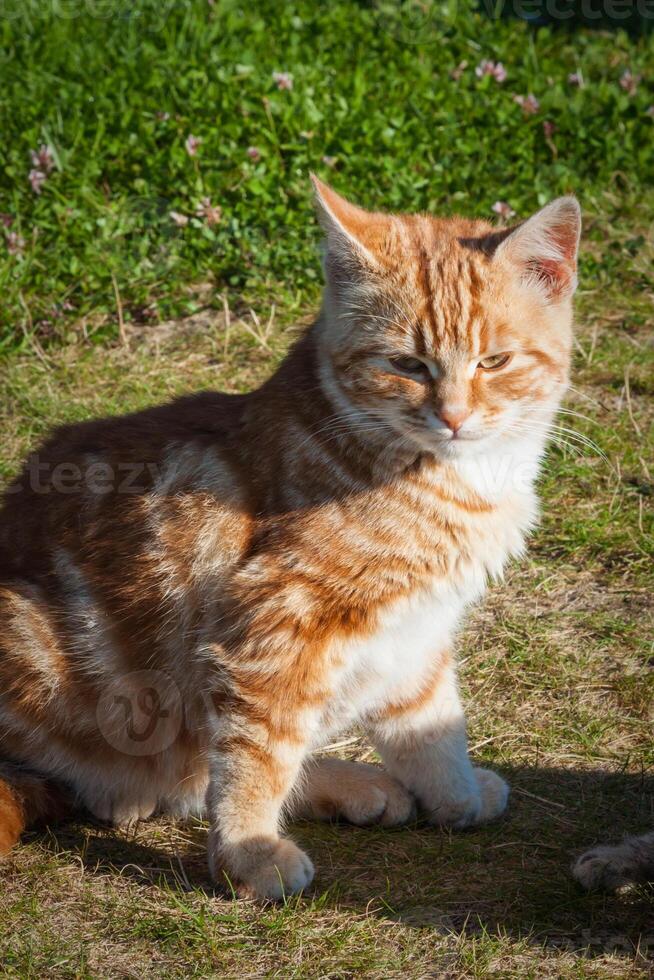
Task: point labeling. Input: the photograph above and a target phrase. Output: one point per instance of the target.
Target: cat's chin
(462, 447)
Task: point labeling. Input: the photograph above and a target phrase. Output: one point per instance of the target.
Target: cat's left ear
(355, 237)
(544, 248)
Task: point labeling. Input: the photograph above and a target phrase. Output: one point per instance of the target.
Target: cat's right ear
(354, 236)
(544, 249)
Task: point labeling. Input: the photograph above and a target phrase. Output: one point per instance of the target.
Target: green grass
(557, 664)
(557, 674)
(115, 88)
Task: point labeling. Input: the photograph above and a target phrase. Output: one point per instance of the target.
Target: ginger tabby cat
(196, 597)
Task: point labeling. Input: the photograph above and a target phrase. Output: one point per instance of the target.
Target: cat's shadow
(511, 878)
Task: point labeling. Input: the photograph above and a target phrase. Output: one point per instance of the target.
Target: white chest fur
(392, 664)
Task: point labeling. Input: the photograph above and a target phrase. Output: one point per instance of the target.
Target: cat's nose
(453, 418)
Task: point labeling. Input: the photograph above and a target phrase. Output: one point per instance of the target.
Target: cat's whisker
(583, 439)
(353, 315)
(554, 431)
(348, 422)
(568, 386)
(578, 415)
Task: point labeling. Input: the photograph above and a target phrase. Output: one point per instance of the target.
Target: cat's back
(96, 472)
(116, 499)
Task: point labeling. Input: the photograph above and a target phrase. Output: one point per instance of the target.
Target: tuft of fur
(609, 867)
(27, 800)
(197, 597)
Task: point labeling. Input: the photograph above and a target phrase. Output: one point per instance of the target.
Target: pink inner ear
(565, 238)
(557, 277)
(545, 246)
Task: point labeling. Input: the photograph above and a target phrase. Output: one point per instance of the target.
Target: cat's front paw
(484, 800)
(272, 871)
(380, 800)
(355, 791)
(283, 872)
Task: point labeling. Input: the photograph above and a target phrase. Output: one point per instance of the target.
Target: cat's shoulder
(212, 414)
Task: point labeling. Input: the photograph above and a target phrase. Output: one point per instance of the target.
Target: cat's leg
(423, 743)
(120, 812)
(360, 793)
(608, 868)
(252, 771)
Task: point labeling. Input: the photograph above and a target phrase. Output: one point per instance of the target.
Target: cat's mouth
(451, 443)
(464, 436)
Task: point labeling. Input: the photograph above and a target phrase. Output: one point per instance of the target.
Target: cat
(196, 597)
(610, 867)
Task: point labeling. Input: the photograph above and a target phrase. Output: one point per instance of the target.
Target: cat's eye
(494, 361)
(410, 365)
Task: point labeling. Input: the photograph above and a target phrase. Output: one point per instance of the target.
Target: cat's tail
(26, 800)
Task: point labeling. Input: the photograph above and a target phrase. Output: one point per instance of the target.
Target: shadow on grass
(506, 880)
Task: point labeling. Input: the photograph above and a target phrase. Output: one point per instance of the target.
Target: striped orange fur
(194, 598)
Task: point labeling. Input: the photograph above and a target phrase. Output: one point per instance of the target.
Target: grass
(557, 670)
(557, 664)
(382, 103)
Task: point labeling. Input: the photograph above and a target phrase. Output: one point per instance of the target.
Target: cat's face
(447, 332)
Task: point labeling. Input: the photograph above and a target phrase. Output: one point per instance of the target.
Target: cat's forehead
(442, 281)
(428, 238)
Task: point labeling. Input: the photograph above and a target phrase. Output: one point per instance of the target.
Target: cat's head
(449, 331)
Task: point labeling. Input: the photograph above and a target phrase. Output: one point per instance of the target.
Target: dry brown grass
(557, 670)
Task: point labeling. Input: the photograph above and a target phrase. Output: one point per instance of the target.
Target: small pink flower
(494, 68)
(503, 209)
(57, 310)
(576, 78)
(37, 179)
(181, 220)
(549, 128)
(254, 153)
(629, 82)
(283, 80)
(500, 72)
(15, 243)
(192, 144)
(212, 213)
(6, 220)
(528, 103)
(330, 161)
(42, 159)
